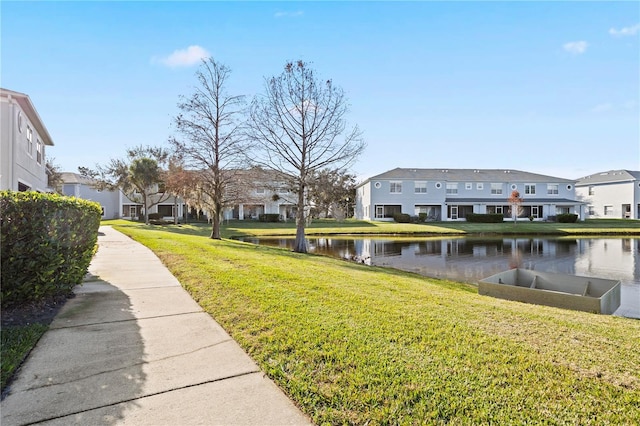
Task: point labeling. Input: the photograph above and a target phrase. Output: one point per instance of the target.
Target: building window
(496, 189)
(39, 151)
(22, 187)
(479, 186)
(562, 210)
(395, 187)
(468, 186)
(608, 210)
(552, 189)
(535, 212)
(592, 190)
(259, 190)
(165, 210)
(530, 188)
(591, 211)
(377, 185)
(495, 209)
(29, 140)
(452, 188)
(420, 188)
(387, 211)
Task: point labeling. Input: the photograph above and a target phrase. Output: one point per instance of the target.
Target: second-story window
(530, 189)
(420, 187)
(496, 189)
(592, 190)
(29, 140)
(552, 189)
(39, 151)
(452, 188)
(395, 187)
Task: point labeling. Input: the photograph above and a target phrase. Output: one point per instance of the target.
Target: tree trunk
(301, 242)
(215, 224)
(146, 210)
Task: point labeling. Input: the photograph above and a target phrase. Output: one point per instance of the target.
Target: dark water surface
(471, 259)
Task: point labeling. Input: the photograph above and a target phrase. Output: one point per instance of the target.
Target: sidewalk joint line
(234, 376)
(126, 320)
(137, 364)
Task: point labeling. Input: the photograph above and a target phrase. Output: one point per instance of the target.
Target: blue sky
(546, 87)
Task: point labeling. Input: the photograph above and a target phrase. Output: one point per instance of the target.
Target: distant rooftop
(610, 176)
(469, 175)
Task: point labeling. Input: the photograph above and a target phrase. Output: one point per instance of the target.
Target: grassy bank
(243, 228)
(16, 343)
(356, 344)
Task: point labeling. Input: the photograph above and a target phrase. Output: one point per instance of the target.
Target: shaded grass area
(16, 343)
(356, 344)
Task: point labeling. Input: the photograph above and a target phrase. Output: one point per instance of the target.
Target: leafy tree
(139, 176)
(298, 128)
(54, 175)
(332, 192)
(515, 205)
(210, 142)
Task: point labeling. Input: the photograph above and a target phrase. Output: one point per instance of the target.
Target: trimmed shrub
(402, 217)
(484, 218)
(269, 217)
(48, 241)
(422, 217)
(567, 218)
(155, 216)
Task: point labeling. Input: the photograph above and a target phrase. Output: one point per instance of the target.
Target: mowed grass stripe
(356, 344)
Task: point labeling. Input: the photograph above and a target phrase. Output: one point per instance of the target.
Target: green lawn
(352, 344)
(240, 228)
(16, 343)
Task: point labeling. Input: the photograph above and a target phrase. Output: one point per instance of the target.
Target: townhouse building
(451, 194)
(613, 194)
(23, 139)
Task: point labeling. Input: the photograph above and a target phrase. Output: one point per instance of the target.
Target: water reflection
(470, 259)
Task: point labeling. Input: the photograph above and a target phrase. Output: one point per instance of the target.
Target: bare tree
(298, 127)
(139, 176)
(515, 205)
(210, 141)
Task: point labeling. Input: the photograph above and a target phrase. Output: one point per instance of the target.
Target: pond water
(471, 259)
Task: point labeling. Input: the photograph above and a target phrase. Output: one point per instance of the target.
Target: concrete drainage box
(559, 290)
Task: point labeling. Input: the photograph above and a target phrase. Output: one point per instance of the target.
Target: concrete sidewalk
(133, 348)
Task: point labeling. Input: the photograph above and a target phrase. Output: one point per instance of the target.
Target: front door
(454, 212)
(133, 211)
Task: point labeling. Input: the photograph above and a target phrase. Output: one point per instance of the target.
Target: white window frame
(480, 186)
(395, 187)
(496, 189)
(39, 153)
(452, 188)
(553, 189)
(468, 186)
(379, 212)
(29, 141)
(592, 190)
(608, 210)
(530, 189)
(420, 187)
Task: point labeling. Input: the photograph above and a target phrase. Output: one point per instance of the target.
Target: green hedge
(269, 217)
(47, 243)
(484, 218)
(567, 218)
(402, 217)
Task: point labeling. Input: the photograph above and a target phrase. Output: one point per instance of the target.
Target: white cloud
(607, 106)
(192, 55)
(289, 14)
(576, 47)
(626, 31)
